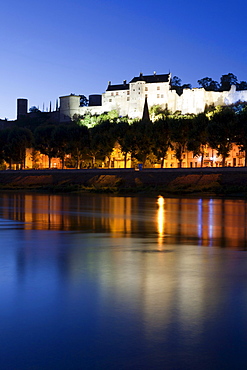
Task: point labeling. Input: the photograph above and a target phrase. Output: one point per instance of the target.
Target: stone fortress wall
(128, 98)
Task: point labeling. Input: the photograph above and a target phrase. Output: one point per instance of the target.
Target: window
(116, 93)
(112, 94)
(110, 100)
(146, 88)
(128, 99)
(128, 92)
(158, 87)
(146, 95)
(158, 95)
(162, 96)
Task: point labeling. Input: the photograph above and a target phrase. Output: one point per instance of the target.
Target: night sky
(54, 48)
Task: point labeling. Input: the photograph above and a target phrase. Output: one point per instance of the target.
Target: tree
(34, 109)
(176, 81)
(101, 140)
(179, 131)
(176, 85)
(222, 132)
(161, 139)
(241, 136)
(5, 147)
(140, 140)
(18, 140)
(197, 137)
(226, 81)
(78, 142)
(157, 112)
(43, 141)
(60, 141)
(122, 132)
(209, 84)
(186, 86)
(83, 101)
(242, 85)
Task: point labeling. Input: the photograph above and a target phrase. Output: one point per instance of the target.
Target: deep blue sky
(54, 48)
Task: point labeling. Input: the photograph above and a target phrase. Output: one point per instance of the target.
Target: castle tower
(21, 108)
(69, 106)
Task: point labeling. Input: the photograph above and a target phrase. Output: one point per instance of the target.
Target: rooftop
(148, 79)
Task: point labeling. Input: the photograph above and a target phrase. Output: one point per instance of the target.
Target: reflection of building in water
(116, 215)
(205, 222)
(161, 220)
(148, 262)
(90, 213)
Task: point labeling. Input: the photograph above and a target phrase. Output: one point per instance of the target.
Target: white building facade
(128, 98)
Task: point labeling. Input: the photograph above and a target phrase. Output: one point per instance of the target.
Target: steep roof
(152, 78)
(148, 79)
(117, 87)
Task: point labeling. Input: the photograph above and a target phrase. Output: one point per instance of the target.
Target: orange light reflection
(160, 220)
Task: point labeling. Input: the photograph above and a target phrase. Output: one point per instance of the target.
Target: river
(94, 281)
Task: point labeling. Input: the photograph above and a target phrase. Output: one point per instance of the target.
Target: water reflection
(206, 222)
(119, 282)
(161, 220)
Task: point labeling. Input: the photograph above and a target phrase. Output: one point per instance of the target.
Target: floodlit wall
(130, 102)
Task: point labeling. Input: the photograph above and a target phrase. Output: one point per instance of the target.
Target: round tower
(21, 108)
(69, 106)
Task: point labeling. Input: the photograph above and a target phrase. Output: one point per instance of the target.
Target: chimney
(154, 73)
(124, 82)
(109, 83)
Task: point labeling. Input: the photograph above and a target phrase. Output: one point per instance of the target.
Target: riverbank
(218, 181)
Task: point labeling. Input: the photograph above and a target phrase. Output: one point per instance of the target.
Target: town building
(128, 99)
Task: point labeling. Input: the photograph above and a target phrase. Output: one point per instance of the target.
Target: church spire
(145, 115)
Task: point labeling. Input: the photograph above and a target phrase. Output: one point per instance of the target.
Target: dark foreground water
(99, 282)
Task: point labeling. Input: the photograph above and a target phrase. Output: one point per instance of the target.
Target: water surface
(104, 282)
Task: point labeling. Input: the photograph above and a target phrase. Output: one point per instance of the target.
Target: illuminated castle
(128, 98)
